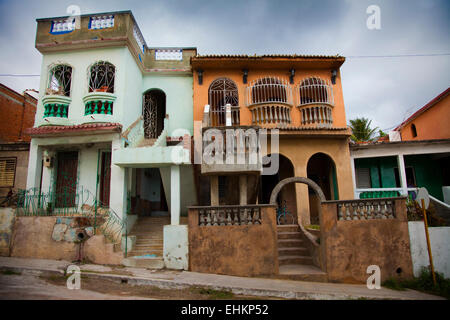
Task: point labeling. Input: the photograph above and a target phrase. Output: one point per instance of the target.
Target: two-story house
(112, 131)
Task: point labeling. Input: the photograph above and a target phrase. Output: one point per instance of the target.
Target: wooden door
(105, 179)
(66, 179)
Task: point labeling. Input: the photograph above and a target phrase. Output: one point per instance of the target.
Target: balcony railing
(218, 118)
(319, 116)
(56, 106)
(99, 103)
(229, 216)
(270, 114)
(366, 209)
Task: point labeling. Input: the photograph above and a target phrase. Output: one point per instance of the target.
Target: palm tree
(361, 129)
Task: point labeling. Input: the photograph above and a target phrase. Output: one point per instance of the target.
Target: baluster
(383, 210)
(390, 209)
(95, 107)
(347, 212)
(208, 218)
(109, 111)
(361, 211)
(249, 216)
(275, 109)
(236, 217)
(256, 218)
(288, 111)
(229, 221)
(242, 216)
(214, 216)
(102, 110)
(355, 214)
(65, 111)
(341, 212)
(202, 218)
(221, 214)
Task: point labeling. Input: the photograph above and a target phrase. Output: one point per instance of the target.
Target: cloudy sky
(384, 89)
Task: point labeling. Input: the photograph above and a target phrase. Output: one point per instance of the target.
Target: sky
(384, 89)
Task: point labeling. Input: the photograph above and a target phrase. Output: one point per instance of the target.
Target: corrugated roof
(288, 56)
(424, 108)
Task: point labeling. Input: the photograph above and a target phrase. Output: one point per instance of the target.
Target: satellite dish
(423, 194)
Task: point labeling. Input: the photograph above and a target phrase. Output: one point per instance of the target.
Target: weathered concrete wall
(440, 247)
(250, 250)
(52, 238)
(176, 247)
(6, 226)
(349, 247)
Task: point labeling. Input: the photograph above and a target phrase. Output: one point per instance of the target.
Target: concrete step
(293, 251)
(302, 273)
(288, 228)
(286, 243)
(295, 259)
(149, 263)
(135, 253)
(289, 235)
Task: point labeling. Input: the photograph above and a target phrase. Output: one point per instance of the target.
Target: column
(402, 173)
(352, 164)
(34, 165)
(118, 192)
(242, 189)
(214, 182)
(175, 195)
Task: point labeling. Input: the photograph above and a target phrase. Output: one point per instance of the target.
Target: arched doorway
(322, 170)
(287, 195)
(154, 112)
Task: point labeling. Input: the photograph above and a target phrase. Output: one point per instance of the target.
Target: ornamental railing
(271, 114)
(98, 107)
(315, 91)
(317, 116)
(269, 90)
(229, 215)
(56, 110)
(366, 209)
(69, 202)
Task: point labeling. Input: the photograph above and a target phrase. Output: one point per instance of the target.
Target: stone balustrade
(320, 116)
(271, 114)
(366, 209)
(229, 216)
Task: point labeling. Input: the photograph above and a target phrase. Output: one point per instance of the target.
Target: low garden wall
(6, 227)
(358, 233)
(440, 247)
(57, 238)
(233, 240)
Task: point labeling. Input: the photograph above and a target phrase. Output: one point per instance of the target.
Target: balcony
(100, 104)
(270, 101)
(56, 108)
(315, 103)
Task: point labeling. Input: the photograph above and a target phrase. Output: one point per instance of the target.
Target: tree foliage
(361, 129)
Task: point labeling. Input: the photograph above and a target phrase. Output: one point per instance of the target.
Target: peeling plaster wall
(6, 228)
(440, 247)
(176, 247)
(43, 238)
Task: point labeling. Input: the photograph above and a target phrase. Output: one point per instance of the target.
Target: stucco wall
(440, 247)
(20, 179)
(6, 227)
(33, 237)
(349, 247)
(249, 250)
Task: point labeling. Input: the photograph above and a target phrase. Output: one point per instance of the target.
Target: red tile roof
(424, 108)
(87, 127)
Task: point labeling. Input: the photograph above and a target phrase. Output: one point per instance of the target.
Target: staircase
(148, 249)
(294, 260)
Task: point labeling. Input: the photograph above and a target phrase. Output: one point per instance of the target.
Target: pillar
(352, 164)
(214, 187)
(402, 173)
(175, 197)
(34, 165)
(242, 189)
(118, 192)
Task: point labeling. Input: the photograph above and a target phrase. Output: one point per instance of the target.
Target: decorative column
(214, 181)
(242, 189)
(175, 195)
(402, 173)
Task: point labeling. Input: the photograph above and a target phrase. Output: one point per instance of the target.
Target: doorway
(154, 112)
(105, 178)
(66, 179)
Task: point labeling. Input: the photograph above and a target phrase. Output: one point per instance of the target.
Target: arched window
(315, 90)
(101, 77)
(414, 130)
(154, 112)
(223, 91)
(268, 90)
(60, 80)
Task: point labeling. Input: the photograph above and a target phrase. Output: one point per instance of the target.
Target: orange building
(430, 122)
(301, 96)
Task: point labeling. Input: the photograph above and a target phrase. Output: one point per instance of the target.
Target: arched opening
(268, 90)
(315, 90)
(287, 196)
(101, 77)
(154, 112)
(322, 170)
(60, 80)
(414, 130)
(223, 91)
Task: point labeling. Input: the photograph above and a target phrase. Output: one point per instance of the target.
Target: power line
(401, 55)
(18, 75)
